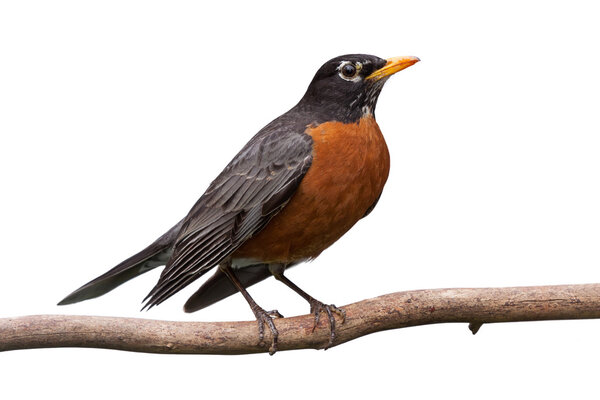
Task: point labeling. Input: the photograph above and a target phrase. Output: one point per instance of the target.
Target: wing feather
(253, 188)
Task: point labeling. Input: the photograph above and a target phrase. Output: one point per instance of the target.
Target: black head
(346, 88)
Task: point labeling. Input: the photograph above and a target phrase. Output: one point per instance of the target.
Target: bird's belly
(349, 169)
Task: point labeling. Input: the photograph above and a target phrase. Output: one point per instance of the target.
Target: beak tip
(412, 60)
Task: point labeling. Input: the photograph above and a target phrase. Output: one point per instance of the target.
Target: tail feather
(151, 257)
(219, 287)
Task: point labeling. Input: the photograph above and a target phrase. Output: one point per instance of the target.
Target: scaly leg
(262, 317)
(316, 307)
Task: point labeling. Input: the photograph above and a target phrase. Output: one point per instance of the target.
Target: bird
(293, 190)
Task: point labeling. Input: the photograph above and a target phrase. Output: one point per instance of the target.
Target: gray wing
(254, 187)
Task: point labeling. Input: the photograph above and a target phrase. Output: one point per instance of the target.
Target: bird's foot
(316, 307)
(266, 317)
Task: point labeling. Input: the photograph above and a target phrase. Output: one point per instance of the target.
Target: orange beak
(392, 66)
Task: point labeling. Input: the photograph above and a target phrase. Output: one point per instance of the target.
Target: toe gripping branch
(262, 317)
(316, 307)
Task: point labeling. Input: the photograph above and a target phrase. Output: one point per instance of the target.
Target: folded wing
(253, 188)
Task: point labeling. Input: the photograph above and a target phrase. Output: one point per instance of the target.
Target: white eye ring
(351, 74)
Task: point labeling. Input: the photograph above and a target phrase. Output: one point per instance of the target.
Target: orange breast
(349, 169)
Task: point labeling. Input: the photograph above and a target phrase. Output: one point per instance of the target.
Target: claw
(275, 314)
(316, 307)
(266, 317)
(262, 317)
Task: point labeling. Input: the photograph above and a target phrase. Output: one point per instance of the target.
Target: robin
(294, 189)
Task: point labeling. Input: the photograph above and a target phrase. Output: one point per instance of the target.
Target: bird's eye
(349, 71)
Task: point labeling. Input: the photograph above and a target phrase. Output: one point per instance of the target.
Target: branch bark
(391, 311)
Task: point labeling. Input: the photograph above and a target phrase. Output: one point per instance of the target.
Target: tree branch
(392, 311)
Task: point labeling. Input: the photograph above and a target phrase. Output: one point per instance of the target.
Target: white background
(116, 115)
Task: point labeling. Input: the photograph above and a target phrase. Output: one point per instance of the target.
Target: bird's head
(347, 87)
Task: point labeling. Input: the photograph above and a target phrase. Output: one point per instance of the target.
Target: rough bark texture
(396, 310)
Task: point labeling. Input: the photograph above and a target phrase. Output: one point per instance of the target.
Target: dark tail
(151, 257)
(218, 286)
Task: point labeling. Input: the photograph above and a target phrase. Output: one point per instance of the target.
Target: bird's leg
(316, 307)
(262, 317)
